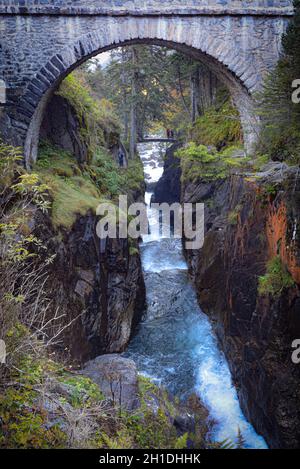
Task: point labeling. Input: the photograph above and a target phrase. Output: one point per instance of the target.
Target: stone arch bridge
(41, 41)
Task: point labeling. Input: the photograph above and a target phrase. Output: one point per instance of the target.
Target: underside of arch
(227, 65)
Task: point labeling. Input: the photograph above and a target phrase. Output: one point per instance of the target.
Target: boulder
(117, 378)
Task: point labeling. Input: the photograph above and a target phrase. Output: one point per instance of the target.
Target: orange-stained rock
(254, 332)
(278, 243)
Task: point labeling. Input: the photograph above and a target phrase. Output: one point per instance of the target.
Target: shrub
(75, 190)
(72, 192)
(233, 216)
(276, 279)
(219, 127)
(200, 163)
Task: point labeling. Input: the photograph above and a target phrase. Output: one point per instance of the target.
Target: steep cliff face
(96, 285)
(61, 126)
(248, 221)
(168, 188)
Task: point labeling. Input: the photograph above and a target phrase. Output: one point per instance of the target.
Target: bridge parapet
(148, 7)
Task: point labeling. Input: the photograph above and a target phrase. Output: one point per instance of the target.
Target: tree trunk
(133, 126)
(195, 93)
(125, 106)
(208, 87)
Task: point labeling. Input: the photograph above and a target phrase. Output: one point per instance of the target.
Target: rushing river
(175, 345)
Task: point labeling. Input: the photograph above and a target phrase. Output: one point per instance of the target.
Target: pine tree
(291, 41)
(280, 137)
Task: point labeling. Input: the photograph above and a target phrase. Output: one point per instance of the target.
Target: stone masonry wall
(238, 40)
(146, 6)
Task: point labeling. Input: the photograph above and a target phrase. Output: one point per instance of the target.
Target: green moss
(99, 125)
(151, 429)
(71, 189)
(276, 279)
(200, 163)
(75, 190)
(82, 390)
(218, 127)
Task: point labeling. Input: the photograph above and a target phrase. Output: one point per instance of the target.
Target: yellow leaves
(8, 228)
(30, 187)
(9, 155)
(27, 180)
(14, 298)
(30, 182)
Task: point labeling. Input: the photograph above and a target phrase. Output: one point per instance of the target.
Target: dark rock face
(168, 187)
(117, 378)
(61, 126)
(245, 227)
(97, 285)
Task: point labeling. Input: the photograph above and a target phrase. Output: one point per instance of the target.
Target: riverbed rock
(165, 290)
(117, 378)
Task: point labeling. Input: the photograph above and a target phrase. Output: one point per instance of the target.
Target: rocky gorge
(144, 343)
(251, 218)
(102, 284)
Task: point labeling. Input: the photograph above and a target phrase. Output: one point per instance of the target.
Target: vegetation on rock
(77, 188)
(100, 126)
(198, 162)
(276, 279)
(219, 126)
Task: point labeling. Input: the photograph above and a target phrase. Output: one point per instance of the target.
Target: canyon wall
(96, 285)
(168, 188)
(249, 221)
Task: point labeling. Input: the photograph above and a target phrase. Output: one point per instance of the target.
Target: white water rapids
(175, 344)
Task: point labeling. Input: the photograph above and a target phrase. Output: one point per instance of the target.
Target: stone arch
(227, 63)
